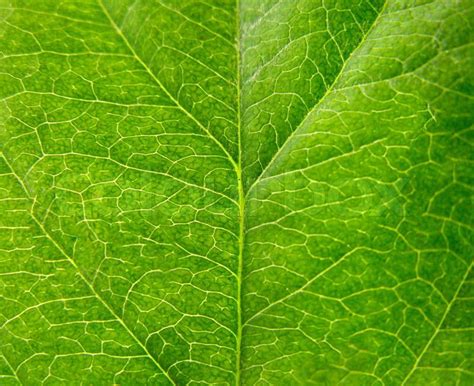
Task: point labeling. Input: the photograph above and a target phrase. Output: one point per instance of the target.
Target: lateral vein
(160, 84)
(321, 100)
(88, 284)
(440, 324)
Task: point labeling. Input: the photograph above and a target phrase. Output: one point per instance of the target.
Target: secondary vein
(12, 370)
(440, 324)
(319, 102)
(88, 284)
(160, 84)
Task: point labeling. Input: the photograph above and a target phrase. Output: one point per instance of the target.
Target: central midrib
(242, 199)
(236, 165)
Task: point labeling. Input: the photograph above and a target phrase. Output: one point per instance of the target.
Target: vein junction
(255, 193)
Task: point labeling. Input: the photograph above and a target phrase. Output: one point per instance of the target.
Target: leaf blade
(273, 192)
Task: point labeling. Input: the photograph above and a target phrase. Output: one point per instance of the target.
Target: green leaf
(263, 192)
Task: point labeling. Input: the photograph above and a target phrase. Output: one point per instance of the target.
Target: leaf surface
(223, 192)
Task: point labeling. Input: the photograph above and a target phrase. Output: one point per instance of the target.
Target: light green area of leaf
(263, 192)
